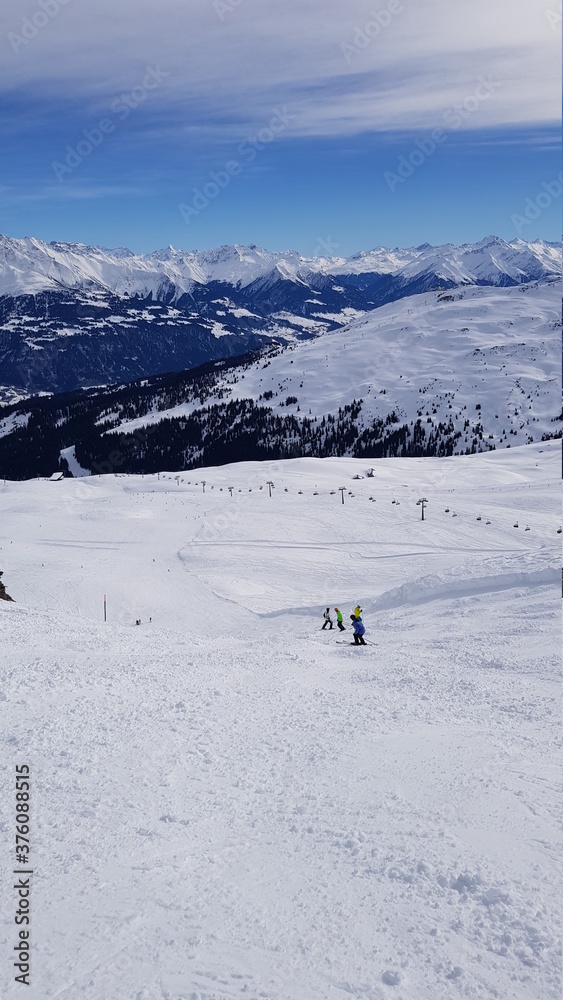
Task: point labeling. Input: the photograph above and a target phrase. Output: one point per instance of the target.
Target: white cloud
(227, 75)
(68, 193)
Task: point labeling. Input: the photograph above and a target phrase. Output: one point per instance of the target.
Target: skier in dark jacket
(359, 631)
(327, 618)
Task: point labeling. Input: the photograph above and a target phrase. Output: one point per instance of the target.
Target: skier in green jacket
(339, 620)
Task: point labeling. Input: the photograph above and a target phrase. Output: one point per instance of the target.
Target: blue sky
(313, 124)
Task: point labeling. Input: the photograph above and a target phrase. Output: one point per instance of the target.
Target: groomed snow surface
(229, 802)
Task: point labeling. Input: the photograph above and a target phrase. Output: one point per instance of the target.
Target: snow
(73, 464)
(62, 331)
(434, 354)
(218, 329)
(153, 417)
(9, 395)
(29, 266)
(243, 313)
(227, 802)
(290, 318)
(13, 422)
(467, 263)
(345, 315)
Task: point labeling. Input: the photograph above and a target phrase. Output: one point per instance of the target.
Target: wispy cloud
(365, 82)
(228, 72)
(66, 193)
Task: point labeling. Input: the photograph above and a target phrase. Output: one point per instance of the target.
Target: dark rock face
(3, 595)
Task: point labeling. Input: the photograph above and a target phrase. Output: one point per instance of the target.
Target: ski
(342, 642)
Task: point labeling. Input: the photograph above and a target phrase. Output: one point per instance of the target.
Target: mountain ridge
(79, 316)
(28, 265)
(438, 374)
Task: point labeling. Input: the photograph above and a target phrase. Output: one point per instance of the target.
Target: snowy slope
(28, 265)
(74, 315)
(447, 372)
(228, 803)
(487, 356)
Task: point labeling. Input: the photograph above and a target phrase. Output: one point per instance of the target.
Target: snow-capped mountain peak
(173, 309)
(29, 265)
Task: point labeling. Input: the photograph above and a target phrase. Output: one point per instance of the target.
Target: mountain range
(75, 316)
(448, 372)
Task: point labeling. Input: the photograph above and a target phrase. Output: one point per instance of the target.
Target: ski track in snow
(228, 804)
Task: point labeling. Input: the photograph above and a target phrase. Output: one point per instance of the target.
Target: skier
(357, 611)
(327, 618)
(339, 620)
(359, 630)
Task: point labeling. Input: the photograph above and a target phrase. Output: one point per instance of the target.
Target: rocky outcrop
(3, 595)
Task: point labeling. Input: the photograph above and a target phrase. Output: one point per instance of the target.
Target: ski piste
(246, 764)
